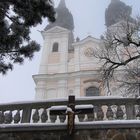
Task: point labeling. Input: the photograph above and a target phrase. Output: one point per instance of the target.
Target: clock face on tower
(89, 52)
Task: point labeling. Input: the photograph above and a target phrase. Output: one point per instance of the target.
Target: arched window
(92, 91)
(55, 47)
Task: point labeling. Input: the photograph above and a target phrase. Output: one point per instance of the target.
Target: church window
(92, 91)
(55, 47)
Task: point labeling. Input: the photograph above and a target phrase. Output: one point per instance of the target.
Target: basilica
(68, 65)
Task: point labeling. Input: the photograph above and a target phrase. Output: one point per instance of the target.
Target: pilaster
(41, 90)
(62, 89)
(77, 87)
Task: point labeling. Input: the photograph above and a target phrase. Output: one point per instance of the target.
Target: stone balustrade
(86, 109)
(96, 118)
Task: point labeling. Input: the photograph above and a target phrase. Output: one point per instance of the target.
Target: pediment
(87, 40)
(57, 29)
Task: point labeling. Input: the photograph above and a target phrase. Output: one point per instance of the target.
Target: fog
(18, 85)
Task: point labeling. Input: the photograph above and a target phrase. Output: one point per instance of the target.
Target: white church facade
(68, 66)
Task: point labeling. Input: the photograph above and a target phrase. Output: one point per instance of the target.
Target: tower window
(55, 47)
(92, 91)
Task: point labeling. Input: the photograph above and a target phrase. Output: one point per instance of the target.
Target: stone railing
(92, 116)
(86, 109)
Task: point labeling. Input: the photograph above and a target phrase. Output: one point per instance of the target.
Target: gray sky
(18, 84)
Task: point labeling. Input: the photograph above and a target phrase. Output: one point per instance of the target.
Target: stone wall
(108, 134)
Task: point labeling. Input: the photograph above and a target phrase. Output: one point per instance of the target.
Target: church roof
(64, 17)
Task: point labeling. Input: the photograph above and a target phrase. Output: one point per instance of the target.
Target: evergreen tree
(16, 19)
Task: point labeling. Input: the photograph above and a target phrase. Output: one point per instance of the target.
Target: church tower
(70, 67)
(58, 38)
(67, 67)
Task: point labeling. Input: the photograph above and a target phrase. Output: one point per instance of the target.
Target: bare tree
(131, 79)
(121, 46)
(119, 53)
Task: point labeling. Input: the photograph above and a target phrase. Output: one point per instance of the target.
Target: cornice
(66, 76)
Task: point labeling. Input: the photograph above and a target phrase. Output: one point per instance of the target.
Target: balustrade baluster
(109, 113)
(44, 116)
(100, 113)
(2, 118)
(62, 118)
(26, 114)
(36, 116)
(8, 117)
(17, 117)
(90, 116)
(138, 113)
(130, 111)
(81, 117)
(53, 118)
(119, 113)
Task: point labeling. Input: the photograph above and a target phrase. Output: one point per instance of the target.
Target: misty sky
(18, 84)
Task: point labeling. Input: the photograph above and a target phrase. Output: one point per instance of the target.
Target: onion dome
(117, 11)
(63, 17)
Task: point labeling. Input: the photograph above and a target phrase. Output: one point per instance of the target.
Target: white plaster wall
(40, 90)
(60, 87)
(77, 59)
(51, 94)
(62, 38)
(77, 87)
